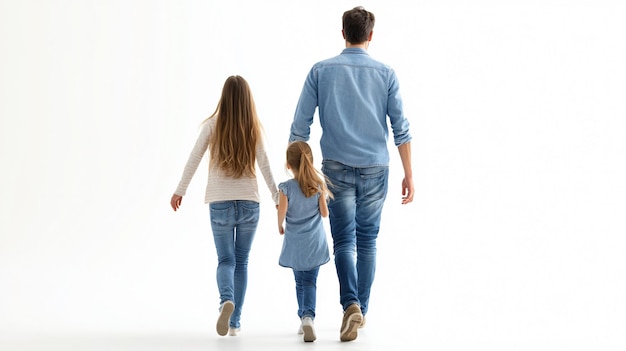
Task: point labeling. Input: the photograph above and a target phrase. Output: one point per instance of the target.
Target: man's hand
(407, 190)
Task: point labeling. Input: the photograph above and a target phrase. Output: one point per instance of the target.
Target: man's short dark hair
(358, 23)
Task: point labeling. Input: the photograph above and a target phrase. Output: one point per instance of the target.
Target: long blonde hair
(300, 159)
(237, 130)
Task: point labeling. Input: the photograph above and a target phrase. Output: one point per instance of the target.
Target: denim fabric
(355, 215)
(306, 289)
(354, 95)
(304, 242)
(234, 224)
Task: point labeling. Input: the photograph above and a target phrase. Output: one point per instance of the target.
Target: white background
(515, 239)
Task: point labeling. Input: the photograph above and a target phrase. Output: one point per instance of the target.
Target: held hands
(407, 190)
(175, 201)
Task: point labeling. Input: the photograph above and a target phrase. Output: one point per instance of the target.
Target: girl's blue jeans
(306, 290)
(233, 224)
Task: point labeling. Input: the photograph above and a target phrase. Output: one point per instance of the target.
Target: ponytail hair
(300, 159)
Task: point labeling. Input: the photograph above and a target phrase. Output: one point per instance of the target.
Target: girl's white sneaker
(308, 330)
(226, 310)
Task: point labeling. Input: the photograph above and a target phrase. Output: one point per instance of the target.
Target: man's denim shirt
(355, 94)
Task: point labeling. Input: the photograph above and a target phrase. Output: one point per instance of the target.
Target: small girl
(233, 136)
(302, 204)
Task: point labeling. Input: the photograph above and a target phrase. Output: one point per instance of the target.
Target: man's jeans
(234, 224)
(355, 216)
(306, 290)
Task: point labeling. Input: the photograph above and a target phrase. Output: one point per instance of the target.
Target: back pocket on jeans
(220, 216)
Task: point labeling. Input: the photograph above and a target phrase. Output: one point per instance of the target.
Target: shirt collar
(354, 51)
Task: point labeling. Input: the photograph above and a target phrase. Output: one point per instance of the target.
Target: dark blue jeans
(306, 291)
(234, 224)
(355, 215)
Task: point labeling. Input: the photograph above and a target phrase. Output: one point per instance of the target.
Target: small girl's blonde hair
(300, 159)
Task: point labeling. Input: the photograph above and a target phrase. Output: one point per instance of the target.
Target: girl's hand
(175, 201)
(281, 230)
(323, 205)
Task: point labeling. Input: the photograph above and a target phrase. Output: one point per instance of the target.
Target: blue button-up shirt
(354, 95)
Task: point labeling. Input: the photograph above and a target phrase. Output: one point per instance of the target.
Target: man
(354, 95)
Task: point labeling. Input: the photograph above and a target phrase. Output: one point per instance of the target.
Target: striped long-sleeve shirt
(221, 187)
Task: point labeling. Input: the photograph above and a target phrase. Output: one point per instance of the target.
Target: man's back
(354, 94)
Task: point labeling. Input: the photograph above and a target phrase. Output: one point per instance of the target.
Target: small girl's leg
(309, 285)
(299, 291)
(309, 295)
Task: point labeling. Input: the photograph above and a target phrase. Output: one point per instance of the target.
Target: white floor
(388, 329)
(327, 340)
(378, 340)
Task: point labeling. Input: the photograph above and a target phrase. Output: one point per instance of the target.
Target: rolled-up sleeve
(395, 111)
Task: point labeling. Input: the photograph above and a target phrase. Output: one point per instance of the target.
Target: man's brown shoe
(352, 319)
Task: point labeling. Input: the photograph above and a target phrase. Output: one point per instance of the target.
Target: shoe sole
(309, 333)
(350, 332)
(224, 318)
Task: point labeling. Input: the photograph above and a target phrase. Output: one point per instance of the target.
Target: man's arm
(407, 183)
(303, 118)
